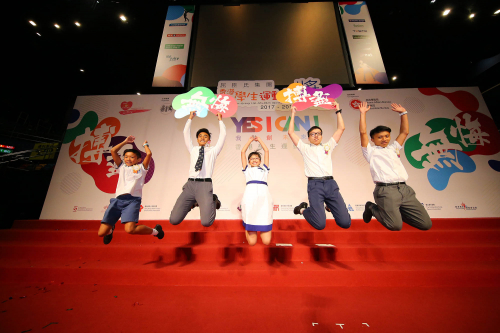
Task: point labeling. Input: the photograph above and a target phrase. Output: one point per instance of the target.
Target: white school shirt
(385, 163)
(317, 159)
(210, 153)
(130, 182)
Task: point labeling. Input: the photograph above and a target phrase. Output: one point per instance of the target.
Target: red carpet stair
(455, 252)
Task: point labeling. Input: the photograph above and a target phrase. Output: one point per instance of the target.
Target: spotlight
(57, 26)
(359, 88)
(39, 34)
(394, 78)
(81, 70)
(498, 11)
(32, 23)
(123, 18)
(446, 12)
(139, 94)
(432, 1)
(472, 15)
(78, 24)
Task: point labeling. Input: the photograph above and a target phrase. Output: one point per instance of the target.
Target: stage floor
(364, 279)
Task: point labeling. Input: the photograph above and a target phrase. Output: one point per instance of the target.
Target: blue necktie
(199, 162)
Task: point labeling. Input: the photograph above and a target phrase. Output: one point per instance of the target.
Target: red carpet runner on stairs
(382, 275)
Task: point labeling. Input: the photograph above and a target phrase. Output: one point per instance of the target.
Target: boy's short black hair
(379, 129)
(313, 128)
(135, 151)
(203, 130)
(254, 153)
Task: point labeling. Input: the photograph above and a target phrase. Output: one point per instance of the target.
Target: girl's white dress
(257, 203)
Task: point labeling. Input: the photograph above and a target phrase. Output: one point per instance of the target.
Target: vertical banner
(174, 47)
(363, 47)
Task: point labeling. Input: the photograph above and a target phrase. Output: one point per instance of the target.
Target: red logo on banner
(354, 103)
(126, 105)
(176, 35)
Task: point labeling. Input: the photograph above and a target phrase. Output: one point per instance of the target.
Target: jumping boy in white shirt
(395, 201)
(321, 187)
(127, 203)
(199, 190)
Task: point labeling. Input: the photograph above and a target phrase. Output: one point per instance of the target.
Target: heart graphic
(126, 105)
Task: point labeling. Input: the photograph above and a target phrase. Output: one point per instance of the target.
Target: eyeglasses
(255, 159)
(315, 134)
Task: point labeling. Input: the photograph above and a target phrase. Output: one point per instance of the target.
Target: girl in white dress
(257, 203)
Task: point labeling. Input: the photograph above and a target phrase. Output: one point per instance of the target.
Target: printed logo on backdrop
(360, 207)
(251, 93)
(286, 208)
(166, 107)
(432, 207)
(349, 208)
(276, 208)
(81, 209)
(127, 108)
(89, 146)
(465, 207)
(448, 145)
(151, 208)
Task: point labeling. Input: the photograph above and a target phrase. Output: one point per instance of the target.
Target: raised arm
(340, 124)
(244, 152)
(187, 131)
(149, 154)
(363, 109)
(222, 135)
(116, 149)
(404, 130)
(266, 151)
(291, 127)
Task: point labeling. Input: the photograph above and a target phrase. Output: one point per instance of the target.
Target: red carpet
(208, 279)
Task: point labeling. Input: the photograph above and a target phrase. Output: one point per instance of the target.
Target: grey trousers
(396, 204)
(200, 192)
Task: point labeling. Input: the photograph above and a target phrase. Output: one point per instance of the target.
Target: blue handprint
(439, 178)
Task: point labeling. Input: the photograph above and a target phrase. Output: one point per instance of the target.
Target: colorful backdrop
(451, 155)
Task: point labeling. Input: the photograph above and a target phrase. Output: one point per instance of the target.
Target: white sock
(155, 232)
(302, 210)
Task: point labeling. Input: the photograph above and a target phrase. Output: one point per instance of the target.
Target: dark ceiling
(419, 45)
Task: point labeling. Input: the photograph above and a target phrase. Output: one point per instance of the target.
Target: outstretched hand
(219, 116)
(336, 105)
(398, 108)
(130, 139)
(364, 107)
(294, 109)
(192, 114)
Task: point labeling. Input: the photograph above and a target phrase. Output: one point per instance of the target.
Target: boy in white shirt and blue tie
(199, 190)
(395, 202)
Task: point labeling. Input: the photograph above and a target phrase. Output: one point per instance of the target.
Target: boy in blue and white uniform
(395, 202)
(321, 187)
(127, 203)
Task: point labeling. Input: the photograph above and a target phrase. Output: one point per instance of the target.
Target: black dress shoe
(108, 238)
(367, 214)
(160, 231)
(297, 209)
(217, 202)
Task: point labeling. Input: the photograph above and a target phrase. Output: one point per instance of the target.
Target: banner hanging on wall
(174, 47)
(363, 47)
(452, 154)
